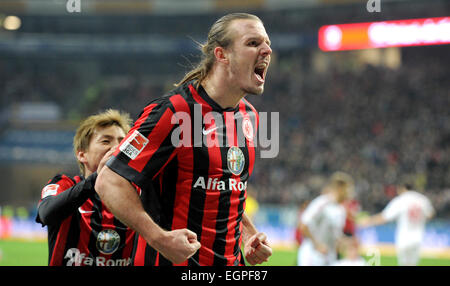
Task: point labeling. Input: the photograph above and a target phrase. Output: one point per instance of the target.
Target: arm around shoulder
(62, 198)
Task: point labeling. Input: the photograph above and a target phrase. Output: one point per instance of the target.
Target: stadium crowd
(378, 124)
(375, 123)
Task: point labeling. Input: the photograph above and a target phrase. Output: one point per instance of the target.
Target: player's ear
(81, 156)
(221, 55)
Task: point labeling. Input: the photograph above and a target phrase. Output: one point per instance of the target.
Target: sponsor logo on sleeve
(49, 190)
(134, 145)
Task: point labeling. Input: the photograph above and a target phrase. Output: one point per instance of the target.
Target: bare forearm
(248, 228)
(256, 247)
(376, 220)
(123, 201)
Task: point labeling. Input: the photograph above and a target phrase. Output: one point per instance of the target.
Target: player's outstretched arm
(123, 201)
(372, 221)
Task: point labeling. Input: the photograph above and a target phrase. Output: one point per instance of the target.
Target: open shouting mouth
(260, 71)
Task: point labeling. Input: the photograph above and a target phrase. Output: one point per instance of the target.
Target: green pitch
(30, 253)
(23, 253)
(289, 258)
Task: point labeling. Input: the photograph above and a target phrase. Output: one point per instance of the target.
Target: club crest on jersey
(49, 190)
(108, 241)
(247, 128)
(236, 160)
(134, 145)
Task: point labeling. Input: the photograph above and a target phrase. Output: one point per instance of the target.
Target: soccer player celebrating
(81, 230)
(193, 180)
(322, 223)
(411, 210)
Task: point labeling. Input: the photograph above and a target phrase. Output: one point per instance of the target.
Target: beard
(249, 86)
(242, 80)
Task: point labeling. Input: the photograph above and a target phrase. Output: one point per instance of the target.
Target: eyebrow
(105, 136)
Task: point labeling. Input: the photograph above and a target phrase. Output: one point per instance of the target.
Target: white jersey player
(322, 223)
(410, 210)
(350, 251)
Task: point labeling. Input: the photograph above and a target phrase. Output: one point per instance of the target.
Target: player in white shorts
(411, 210)
(323, 221)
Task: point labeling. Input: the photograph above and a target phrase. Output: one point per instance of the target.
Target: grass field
(23, 253)
(31, 253)
(289, 257)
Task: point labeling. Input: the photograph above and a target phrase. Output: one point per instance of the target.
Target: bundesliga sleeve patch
(134, 145)
(49, 190)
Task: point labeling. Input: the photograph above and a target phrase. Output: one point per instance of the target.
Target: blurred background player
(322, 223)
(410, 209)
(349, 250)
(352, 207)
(81, 230)
(298, 230)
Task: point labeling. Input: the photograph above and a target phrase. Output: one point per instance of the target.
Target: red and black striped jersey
(195, 159)
(81, 230)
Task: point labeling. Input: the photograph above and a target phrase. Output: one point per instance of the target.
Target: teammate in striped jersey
(192, 152)
(81, 230)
